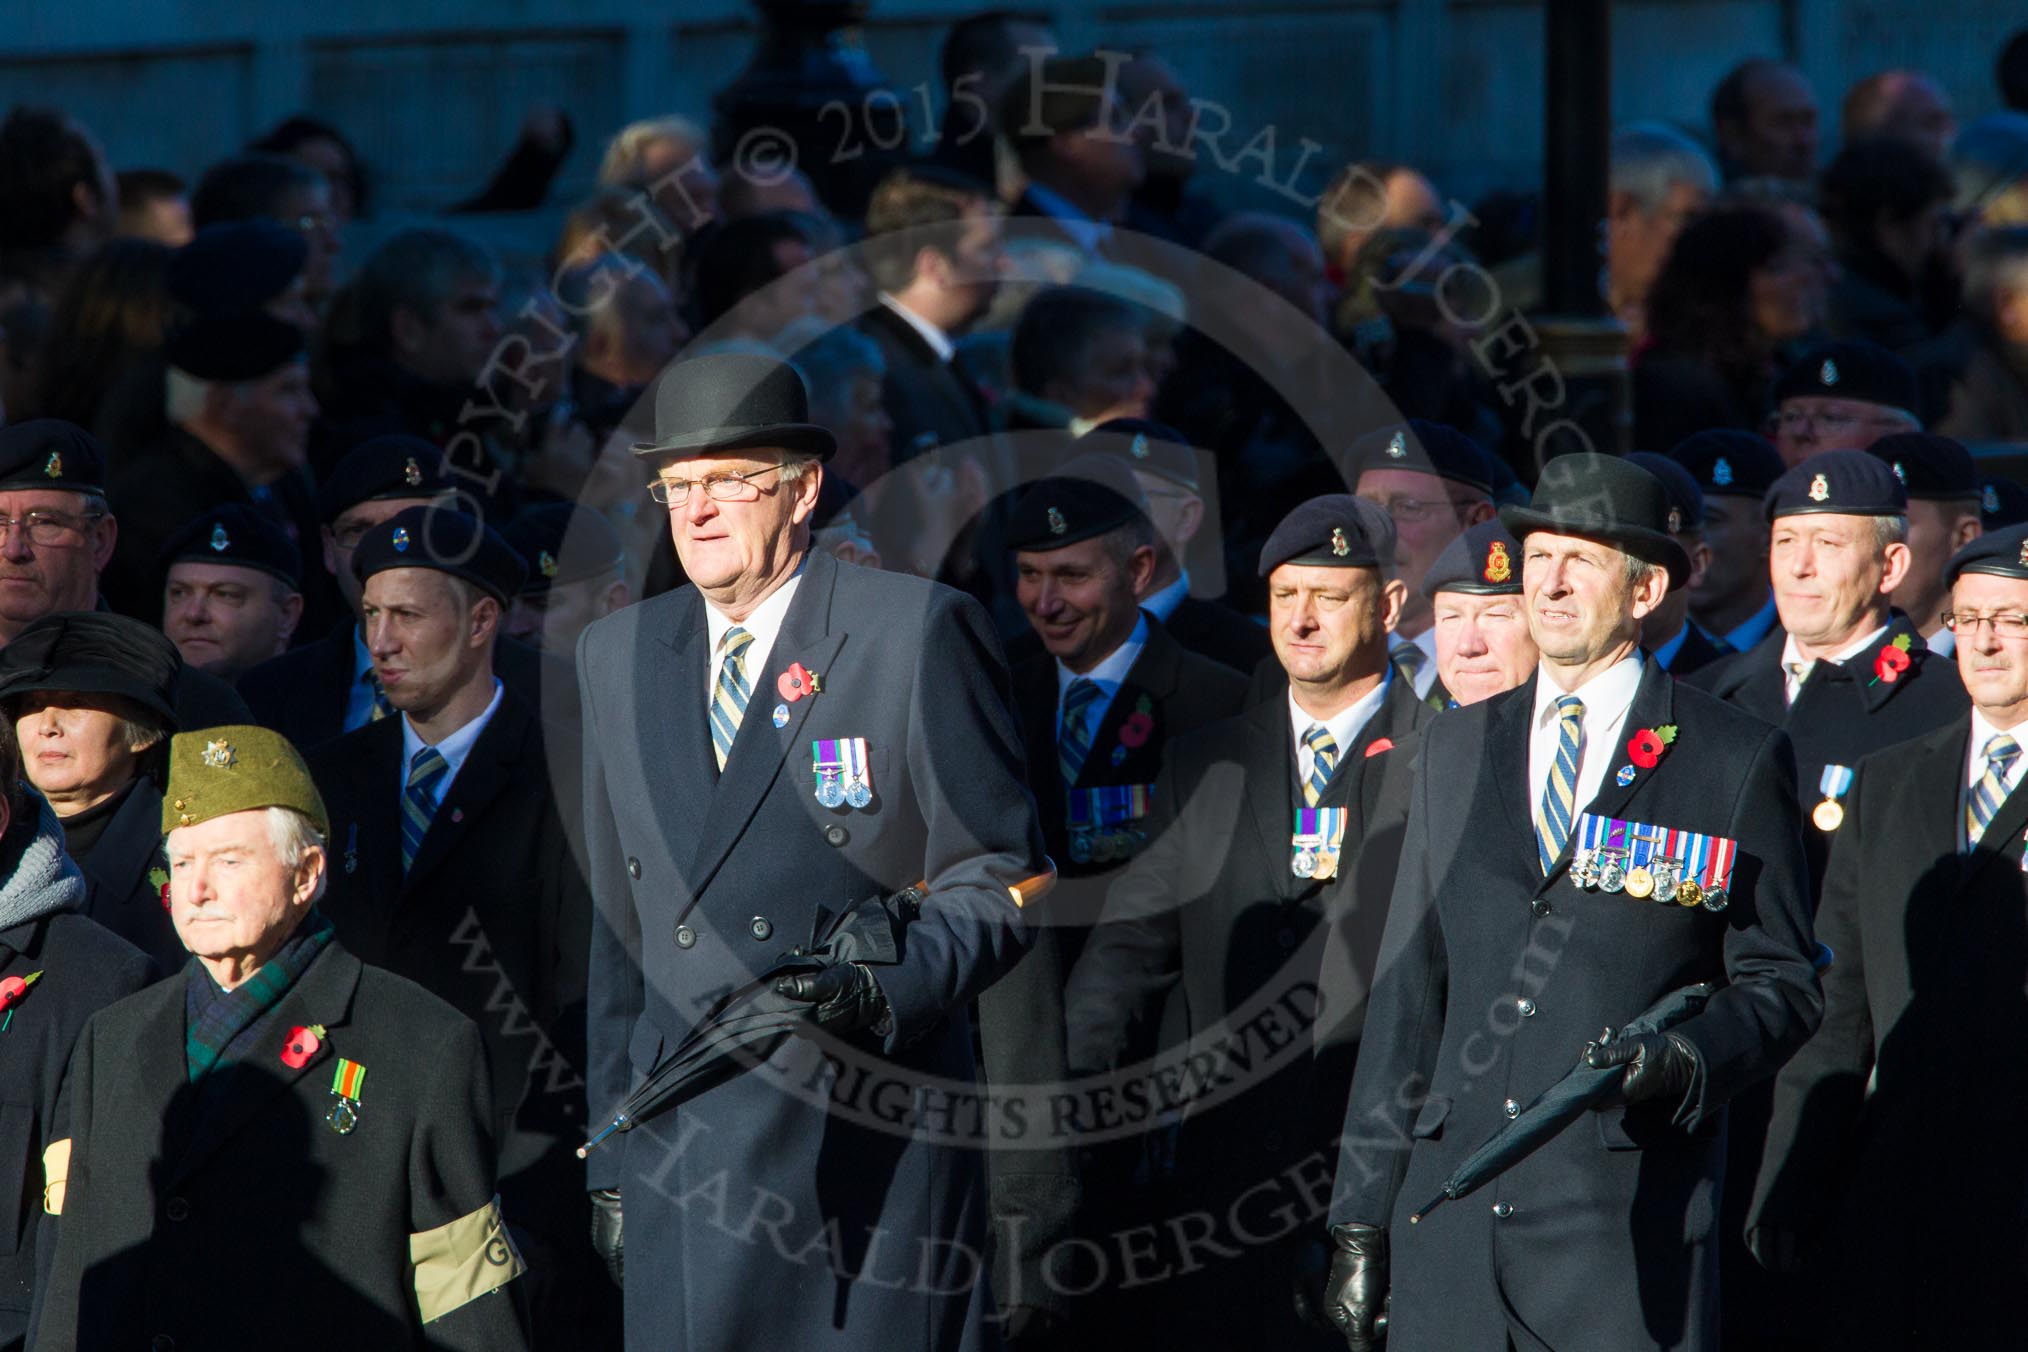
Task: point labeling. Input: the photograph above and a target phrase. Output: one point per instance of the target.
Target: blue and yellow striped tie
(419, 801)
(730, 694)
(1073, 740)
(1991, 790)
(1323, 760)
(1559, 795)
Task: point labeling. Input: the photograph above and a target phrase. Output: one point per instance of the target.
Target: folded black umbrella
(1562, 1103)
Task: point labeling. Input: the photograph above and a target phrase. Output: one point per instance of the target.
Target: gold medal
(1688, 893)
(1327, 865)
(1640, 883)
(1829, 815)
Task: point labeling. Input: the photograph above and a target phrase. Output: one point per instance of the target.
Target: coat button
(177, 1209)
(633, 868)
(685, 936)
(1540, 906)
(762, 930)
(836, 835)
(1503, 1210)
(1511, 1108)
(1526, 1006)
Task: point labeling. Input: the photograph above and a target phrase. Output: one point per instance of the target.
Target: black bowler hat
(1727, 462)
(233, 347)
(1335, 530)
(1932, 468)
(236, 267)
(236, 534)
(1849, 483)
(1686, 499)
(562, 544)
(1086, 497)
(734, 401)
(98, 653)
(1147, 445)
(396, 465)
(446, 540)
(51, 453)
(2002, 503)
(1428, 447)
(1852, 369)
(2000, 553)
(1602, 497)
(1484, 561)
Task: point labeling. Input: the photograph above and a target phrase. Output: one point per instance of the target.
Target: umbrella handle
(1033, 889)
(619, 1123)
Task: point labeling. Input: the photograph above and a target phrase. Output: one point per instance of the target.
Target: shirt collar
(1087, 233)
(1162, 604)
(454, 748)
(764, 623)
(939, 341)
(1345, 725)
(1607, 696)
(1791, 655)
(1109, 673)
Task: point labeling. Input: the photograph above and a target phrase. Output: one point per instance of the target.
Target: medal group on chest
(1659, 862)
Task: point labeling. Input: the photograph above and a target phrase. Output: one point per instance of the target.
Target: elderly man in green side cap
(323, 1123)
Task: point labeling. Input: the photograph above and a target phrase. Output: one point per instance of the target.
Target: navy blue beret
(1146, 445)
(1686, 499)
(447, 540)
(396, 465)
(233, 347)
(1484, 561)
(1930, 467)
(1088, 496)
(2001, 553)
(1428, 447)
(1727, 462)
(563, 544)
(1336, 530)
(2002, 502)
(1850, 483)
(1852, 369)
(236, 267)
(51, 453)
(235, 533)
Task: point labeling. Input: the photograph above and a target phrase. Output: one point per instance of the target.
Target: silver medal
(859, 795)
(1305, 863)
(1612, 876)
(830, 792)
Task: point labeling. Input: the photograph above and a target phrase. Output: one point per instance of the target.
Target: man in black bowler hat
(1499, 966)
(233, 590)
(782, 737)
(450, 865)
(1231, 913)
(1732, 602)
(324, 688)
(1943, 517)
(1922, 909)
(1667, 635)
(1842, 396)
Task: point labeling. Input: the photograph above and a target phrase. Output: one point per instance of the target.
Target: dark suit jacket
(703, 877)
(320, 1225)
(927, 399)
(1492, 978)
(493, 917)
(120, 893)
(1923, 1009)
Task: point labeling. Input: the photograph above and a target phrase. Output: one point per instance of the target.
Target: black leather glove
(605, 1232)
(1659, 1066)
(846, 996)
(1776, 1248)
(1355, 1294)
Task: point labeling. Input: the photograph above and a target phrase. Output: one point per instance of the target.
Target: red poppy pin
(1137, 727)
(302, 1045)
(13, 989)
(797, 682)
(1892, 661)
(1378, 745)
(1645, 747)
(158, 878)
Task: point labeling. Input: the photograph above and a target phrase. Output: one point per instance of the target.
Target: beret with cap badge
(1336, 530)
(1847, 483)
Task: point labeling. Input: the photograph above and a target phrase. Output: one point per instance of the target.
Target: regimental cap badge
(1397, 447)
(220, 541)
(1820, 489)
(1139, 448)
(412, 474)
(1901, 474)
(1989, 500)
(1340, 546)
(1675, 520)
(219, 755)
(545, 563)
(1828, 372)
(1057, 525)
(1721, 473)
(53, 467)
(1498, 567)
(401, 538)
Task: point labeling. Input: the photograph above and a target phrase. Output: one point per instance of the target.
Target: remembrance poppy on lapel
(1893, 660)
(1137, 727)
(1645, 747)
(302, 1045)
(797, 682)
(14, 988)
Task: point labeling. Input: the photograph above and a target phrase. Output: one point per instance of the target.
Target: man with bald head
(1906, 105)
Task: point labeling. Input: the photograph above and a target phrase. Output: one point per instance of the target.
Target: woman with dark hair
(102, 366)
(1737, 287)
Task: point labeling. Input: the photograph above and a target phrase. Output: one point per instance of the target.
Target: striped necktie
(1559, 794)
(1073, 740)
(1991, 790)
(419, 803)
(1323, 760)
(731, 692)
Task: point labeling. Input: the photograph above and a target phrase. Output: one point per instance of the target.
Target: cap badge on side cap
(545, 563)
(1339, 544)
(1989, 500)
(1675, 520)
(411, 474)
(1900, 474)
(1498, 568)
(1139, 449)
(1820, 489)
(1397, 447)
(220, 541)
(53, 467)
(1721, 472)
(218, 755)
(1057, 525)
(401, 539)
(1828, 372)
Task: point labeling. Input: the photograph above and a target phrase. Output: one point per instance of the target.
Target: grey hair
(625, 152)
(1889, 530)
(418, 268)
(1650, 158)
(1122, 541)
(294, 835)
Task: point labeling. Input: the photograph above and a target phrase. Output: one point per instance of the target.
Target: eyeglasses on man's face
(51, 528)
(2006, 624)
(718, 487)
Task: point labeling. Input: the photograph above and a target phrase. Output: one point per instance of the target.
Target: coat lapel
(1753, 681)
(1153, 675)
(496, 760)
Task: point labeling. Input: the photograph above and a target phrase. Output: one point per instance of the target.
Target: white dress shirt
(939, 341)
(1607, 697)
(763, 624)
(1983, 732)
(1792, 683)
(454, 748)
(1107, 676)
(1344, 726)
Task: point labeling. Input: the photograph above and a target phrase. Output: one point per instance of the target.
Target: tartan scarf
(216, 1018)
